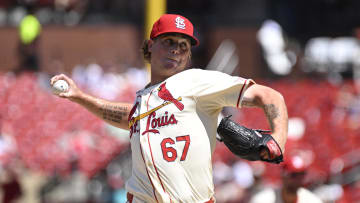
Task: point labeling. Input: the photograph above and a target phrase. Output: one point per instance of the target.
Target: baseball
(60, 86)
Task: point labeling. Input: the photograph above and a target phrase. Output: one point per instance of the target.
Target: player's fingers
(264, 154)
(64, 77)
(64, 95)
(67, 79)
(58, 77)
(54, 79)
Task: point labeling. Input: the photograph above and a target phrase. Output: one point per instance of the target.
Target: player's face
(170, 54)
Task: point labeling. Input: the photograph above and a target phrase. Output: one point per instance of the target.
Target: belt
(130, 198)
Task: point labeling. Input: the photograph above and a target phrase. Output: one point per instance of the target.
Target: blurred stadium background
(54, 151)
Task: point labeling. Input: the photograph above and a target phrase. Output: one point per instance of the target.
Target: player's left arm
(273, 104)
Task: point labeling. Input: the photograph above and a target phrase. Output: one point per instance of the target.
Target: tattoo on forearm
(113, 113)
(271, 112)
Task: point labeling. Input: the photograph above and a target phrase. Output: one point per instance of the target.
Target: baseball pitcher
(173, 120)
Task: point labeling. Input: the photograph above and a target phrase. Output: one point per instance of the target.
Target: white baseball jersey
(173, 135)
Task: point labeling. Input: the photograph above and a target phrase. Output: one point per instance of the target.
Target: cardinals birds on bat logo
(164, 94)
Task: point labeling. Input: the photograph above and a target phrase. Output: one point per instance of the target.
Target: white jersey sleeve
(214, 89)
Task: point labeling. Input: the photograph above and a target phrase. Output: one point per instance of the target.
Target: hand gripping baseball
(249, 144)
(72, 92)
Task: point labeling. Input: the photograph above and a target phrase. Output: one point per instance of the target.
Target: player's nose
(175, 50)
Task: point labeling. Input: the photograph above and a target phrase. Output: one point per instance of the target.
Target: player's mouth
(172, 60)
(171, 63)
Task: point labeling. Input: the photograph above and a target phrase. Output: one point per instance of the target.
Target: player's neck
(152, 82)
(156, 80)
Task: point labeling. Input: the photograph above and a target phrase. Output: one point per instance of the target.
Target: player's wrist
(278, 135)
(79, 97)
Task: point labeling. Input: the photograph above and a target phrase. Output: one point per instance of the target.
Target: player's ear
(150, 44)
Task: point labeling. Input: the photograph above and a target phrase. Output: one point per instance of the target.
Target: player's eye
(168, 42)
(184, 46)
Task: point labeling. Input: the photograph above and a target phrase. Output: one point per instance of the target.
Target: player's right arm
(114, 113)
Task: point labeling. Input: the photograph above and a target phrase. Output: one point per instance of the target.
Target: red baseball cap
(171, 23)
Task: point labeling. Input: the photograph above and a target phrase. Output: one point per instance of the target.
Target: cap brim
(193, 40)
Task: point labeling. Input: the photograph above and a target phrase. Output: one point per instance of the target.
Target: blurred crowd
(70, 12)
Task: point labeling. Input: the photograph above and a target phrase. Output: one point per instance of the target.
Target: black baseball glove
(248, 143)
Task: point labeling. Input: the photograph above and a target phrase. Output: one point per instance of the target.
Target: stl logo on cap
(180, 23)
